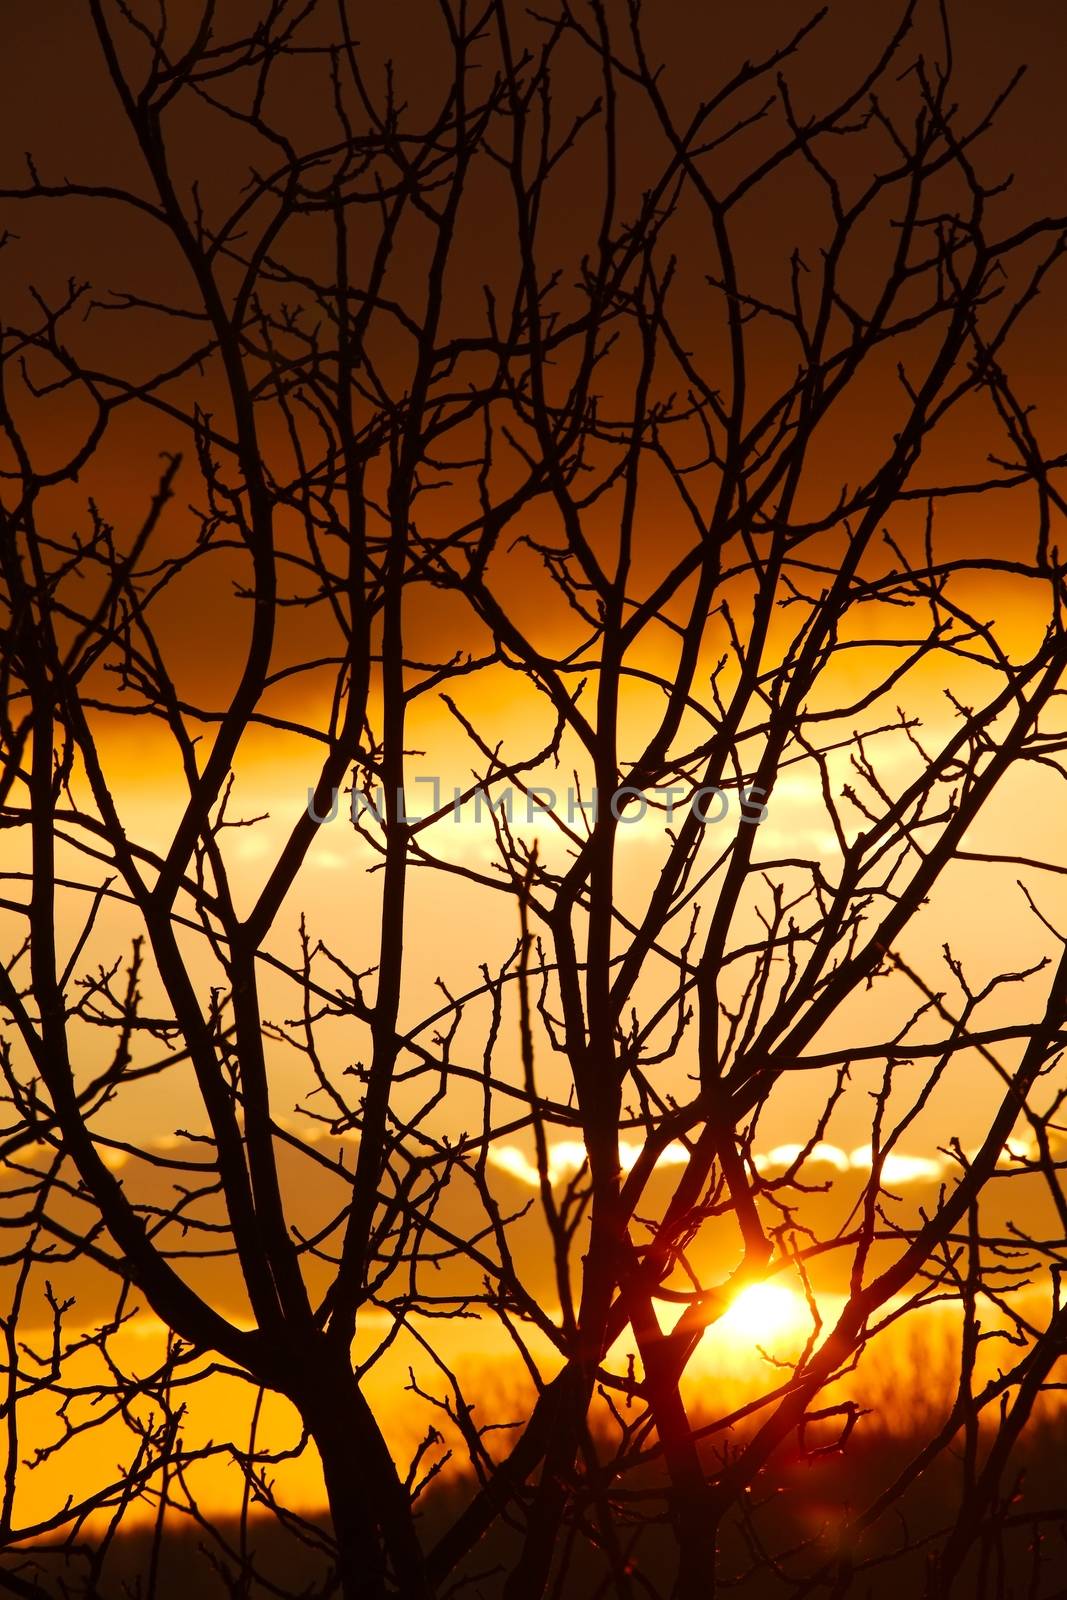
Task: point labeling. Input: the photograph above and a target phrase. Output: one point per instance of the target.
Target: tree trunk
(378, 1551)
(360, 1556)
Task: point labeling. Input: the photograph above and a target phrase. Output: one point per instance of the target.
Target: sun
(765, 1313)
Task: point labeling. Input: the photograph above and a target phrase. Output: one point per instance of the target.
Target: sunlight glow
(566, 1156)
(766, 1313)
(897, 1168)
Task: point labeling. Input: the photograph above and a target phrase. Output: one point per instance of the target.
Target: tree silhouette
(567, 502)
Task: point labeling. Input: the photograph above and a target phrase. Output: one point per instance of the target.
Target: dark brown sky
(57, 103)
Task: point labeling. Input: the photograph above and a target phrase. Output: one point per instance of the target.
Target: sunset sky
(990, 917)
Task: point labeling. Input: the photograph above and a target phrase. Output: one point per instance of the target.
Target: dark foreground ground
(790, 1542)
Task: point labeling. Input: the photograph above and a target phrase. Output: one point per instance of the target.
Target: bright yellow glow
(567, 1156)
(766, 1313)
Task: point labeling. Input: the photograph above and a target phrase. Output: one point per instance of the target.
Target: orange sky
(454, 924)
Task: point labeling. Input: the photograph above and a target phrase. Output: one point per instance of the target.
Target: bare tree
(527, 448)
